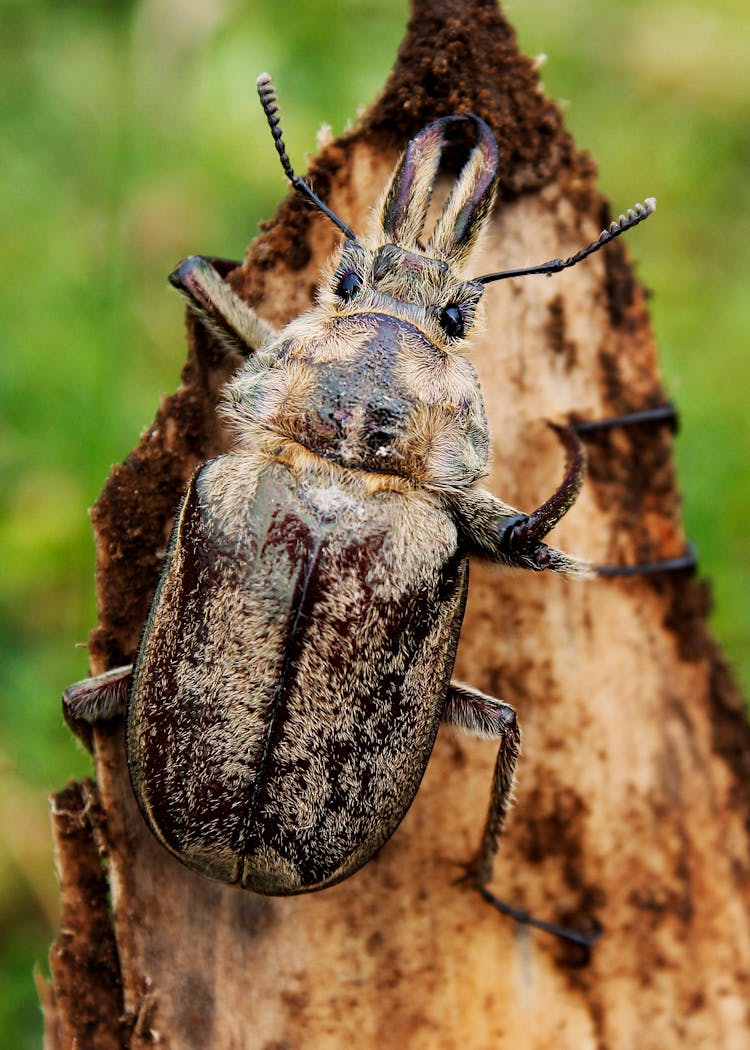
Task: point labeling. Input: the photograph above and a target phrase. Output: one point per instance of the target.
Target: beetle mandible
(296, 661)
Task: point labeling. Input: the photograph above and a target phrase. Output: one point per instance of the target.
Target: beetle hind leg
(484, 716)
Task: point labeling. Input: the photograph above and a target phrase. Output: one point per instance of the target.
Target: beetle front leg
(492, 529)
(236, 325)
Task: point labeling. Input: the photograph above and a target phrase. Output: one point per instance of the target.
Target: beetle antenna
(270, 103)
(622, 224)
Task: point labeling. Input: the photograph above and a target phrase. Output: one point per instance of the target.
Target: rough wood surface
(633, 790)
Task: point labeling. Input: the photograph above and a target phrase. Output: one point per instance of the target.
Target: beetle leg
(236, 325)
(482, 715)
(492, 529)
(687, 562)
(99, 698)
(520, 539)
(662, 414)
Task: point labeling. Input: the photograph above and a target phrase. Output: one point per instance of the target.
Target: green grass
(131, 138)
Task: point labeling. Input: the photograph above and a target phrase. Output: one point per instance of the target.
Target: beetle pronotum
(296, 662)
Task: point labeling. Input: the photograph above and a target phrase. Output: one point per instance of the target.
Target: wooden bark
(633, 789)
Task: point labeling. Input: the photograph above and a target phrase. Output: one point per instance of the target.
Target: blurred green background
(132, 137)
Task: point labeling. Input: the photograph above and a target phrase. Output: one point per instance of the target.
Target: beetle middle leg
(484, 716)
(99, 698)
(481, 715)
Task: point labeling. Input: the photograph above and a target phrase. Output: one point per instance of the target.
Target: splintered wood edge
(86, 1003)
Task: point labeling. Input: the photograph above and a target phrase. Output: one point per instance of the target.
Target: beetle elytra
(297, 658)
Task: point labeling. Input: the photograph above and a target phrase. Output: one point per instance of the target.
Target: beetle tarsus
(565, 933)
(687, 562)
(661, 414)
(520, 915)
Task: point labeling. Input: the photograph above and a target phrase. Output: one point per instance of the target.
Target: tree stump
(635, 772)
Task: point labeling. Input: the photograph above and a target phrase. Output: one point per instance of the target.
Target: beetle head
(391, 272)
(408, 198)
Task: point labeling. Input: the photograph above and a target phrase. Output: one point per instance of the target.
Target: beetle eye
(348, 286)
(452, 321)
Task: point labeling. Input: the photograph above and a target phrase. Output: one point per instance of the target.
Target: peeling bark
(87, 1002)
(633, 797)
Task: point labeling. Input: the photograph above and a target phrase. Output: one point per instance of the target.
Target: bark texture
(633, 796)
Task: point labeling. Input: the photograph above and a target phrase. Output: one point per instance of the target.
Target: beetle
(297, 659)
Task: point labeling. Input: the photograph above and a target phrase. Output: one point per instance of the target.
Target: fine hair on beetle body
(296, 662)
